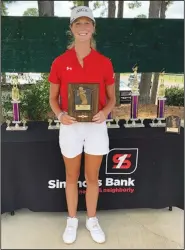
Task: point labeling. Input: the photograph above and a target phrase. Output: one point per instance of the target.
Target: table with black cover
(32, 158)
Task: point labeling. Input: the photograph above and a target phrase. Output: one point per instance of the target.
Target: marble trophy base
(54, 126)
(110, 125)
(17, 126)
(158, 124)
(133, 124)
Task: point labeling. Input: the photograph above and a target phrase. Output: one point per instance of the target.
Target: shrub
(34, 101)
(175, 96)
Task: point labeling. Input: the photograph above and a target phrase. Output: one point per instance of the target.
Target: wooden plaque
(83, 100)
(173, 124)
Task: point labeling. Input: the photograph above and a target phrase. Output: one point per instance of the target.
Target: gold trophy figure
(15, 90)
(161, 92)
(82, 94)
(135, 86)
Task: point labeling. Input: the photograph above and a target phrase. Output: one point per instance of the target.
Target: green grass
(169, 79)
(174, 79)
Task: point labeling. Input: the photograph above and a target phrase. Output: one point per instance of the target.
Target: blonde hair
(71, 43)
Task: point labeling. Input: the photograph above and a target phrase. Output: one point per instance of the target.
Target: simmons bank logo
(122, 161)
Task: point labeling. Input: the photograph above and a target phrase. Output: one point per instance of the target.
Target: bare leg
(92, 166)
(72, 166)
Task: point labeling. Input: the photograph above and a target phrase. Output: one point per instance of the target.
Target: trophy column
(134, 105)
(160, 105)
(16, 112)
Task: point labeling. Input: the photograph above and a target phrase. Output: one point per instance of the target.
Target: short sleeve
(54, 74)
(109, 73)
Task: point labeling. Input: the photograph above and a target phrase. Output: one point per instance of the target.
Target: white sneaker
(96, 232)
(69, 235)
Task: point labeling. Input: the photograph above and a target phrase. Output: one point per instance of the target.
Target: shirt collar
(89, 56)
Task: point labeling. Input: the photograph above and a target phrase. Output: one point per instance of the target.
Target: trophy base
(53, 127)
(134, 124)
(109, 125)
(113, 126)
(56, 126)
(158, 124)
(19, 128)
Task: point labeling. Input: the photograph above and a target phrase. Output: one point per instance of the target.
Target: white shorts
(92, 137)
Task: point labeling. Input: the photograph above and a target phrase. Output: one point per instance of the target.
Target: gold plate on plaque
(173, 124)
(83, 100)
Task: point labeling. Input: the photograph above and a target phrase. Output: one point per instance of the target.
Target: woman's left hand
(99, 117)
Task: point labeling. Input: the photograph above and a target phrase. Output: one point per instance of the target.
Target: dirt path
(147, 111)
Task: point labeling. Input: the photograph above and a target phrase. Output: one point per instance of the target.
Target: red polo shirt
(67, 69)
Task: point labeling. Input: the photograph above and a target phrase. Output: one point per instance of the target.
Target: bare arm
(54, 103)
(111, 99)
(54, 98)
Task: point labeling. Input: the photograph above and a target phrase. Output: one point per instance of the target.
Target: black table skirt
(32, 158)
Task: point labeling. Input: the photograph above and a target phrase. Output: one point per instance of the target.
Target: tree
(117, 75)
(4, 9)
(154, 9)
(46, 8)
(4, 12)
(86, 3)
(111, 9)
(81, 3)
(134, 4)
(96, 4)
(31, 12)
(120, 9)
(163, 8)
(141, 16)
(146, 78)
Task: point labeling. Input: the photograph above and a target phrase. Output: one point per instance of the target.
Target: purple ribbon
(16, 111)
(160, 109)
(134, 107)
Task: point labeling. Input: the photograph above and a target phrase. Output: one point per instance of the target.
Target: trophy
(131, 123)
(56, 124)
(173, 124)
(16, 113)
(160, 105)
(112, 119)
(83, 100)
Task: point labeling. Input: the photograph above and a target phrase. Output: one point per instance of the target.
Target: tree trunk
(154, 88)
(120, 9)
(155, 84)
(144, 88)
(111, 9)
(154, 10)
(117, 75)
(86, 3)
(164, 5)
(46, 8)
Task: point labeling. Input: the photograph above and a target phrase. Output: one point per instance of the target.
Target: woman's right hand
(67, 119)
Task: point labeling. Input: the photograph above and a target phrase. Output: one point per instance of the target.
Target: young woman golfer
(81, 63)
